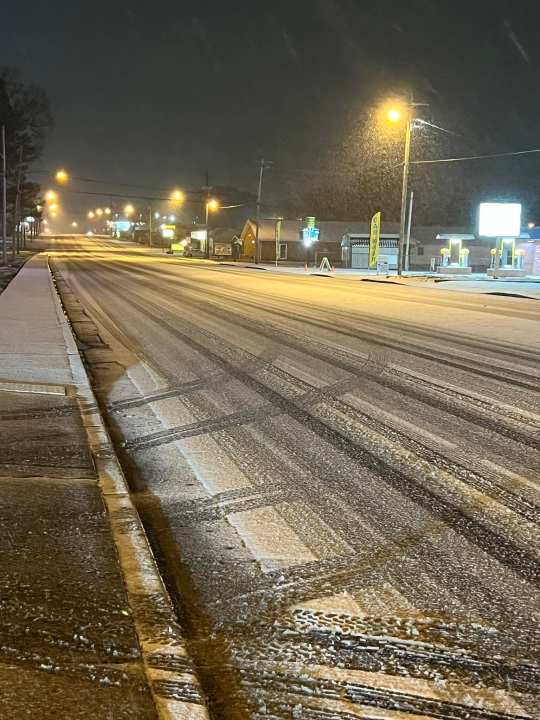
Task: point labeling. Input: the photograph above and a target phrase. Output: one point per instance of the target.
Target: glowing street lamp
(212, 205)
(107, 211)
(53, 207)
(129, 209)
(99, 212)
(178, 196)
(395, 113)
(91, 215)
(51, 196)
(74, 224)
(62, 176)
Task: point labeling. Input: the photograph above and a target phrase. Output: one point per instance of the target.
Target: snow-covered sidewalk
(71, 613)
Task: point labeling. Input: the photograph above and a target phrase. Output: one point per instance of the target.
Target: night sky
(155, 93)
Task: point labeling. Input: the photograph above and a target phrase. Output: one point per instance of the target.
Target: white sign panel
(499, 220)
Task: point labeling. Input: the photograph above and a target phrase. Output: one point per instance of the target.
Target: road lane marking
(316, 534)
(35, 388)
(211, 466)
(273, 543)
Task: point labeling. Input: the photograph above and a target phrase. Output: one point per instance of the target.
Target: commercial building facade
(346, 245)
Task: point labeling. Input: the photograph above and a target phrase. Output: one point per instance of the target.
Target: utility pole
(4, 198)
(404, 189)
(263, 166)
(207, 235)
(407, 246)
(150, 225)
(17, 209)
(405, 186)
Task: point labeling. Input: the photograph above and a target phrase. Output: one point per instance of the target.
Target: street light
(129, 209)
(211, 205)
(178, 196)
(74, 224)
(91, 215)
(51, 196)
(62, 176)
(107, 211)
(394, 115)
(99, 212)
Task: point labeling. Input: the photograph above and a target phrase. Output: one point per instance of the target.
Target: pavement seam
(175, 688)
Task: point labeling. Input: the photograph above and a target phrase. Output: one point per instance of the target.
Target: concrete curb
(169, 670)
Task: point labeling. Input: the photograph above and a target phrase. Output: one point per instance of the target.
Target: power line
(476, 157)
(124, 196)
(146, 198)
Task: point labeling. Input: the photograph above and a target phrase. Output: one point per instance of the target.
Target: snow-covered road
(339, 480)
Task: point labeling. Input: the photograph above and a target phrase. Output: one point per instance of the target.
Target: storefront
(294, 241)
(528, 251)
(355, 250)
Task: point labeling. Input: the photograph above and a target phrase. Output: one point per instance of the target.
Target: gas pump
(506, 259)
(454, 251)
(507, 253)
(445, 252)
(455, 255)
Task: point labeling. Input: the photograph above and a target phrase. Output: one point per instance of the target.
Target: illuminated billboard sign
(167, 231)
(499, 220)
(310, 233)
(121, 225)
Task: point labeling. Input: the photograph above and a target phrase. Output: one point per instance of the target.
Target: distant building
(221, 241)
(529, 243)
(290, 246)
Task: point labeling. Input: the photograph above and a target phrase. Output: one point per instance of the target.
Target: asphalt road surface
(339, 480)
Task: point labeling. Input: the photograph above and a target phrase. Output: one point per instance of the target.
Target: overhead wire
(493, 156)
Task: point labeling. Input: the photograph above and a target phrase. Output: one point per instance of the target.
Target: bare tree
(26, 116)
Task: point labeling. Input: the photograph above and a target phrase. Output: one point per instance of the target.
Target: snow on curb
(167, 665)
